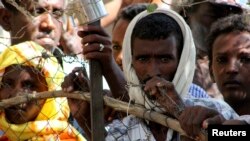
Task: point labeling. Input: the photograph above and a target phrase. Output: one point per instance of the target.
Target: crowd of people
(186, 59)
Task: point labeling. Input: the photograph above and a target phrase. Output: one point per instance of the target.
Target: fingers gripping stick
(175, 106)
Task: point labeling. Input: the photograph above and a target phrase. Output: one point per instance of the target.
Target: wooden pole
(97, 114)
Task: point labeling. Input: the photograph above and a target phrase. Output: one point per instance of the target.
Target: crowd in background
(187, 59)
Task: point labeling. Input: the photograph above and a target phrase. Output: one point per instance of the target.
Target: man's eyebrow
(115, 42)
(248, 46)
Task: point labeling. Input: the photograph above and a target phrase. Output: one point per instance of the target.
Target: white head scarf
(1, 4)
(185, 71)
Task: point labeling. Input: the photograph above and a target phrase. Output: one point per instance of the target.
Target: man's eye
(116, 47)
(165, 59)
(142, 59)
(28, 85)
(58, 13)
(221, 60)
(38, 11)
(245, 59)
(6, 84)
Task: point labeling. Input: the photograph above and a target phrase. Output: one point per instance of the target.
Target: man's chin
(236, 96)
(47, 45)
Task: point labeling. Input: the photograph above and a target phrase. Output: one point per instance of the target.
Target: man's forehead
(44, 3)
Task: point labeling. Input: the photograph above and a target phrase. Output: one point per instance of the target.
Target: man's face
(46, 27)
(231, 66)
(117, 39)
(20, 79)
(155, 58)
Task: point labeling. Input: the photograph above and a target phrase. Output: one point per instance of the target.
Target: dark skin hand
(111, 71)
(192, 119)
(158, 87)
(70, 42)
(77, 80)
(197, 118)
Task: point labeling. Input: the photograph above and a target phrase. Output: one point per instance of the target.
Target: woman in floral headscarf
(28, 68)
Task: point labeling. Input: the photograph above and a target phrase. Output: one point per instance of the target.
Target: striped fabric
(197, 92)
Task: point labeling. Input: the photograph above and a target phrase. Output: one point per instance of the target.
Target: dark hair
(10, 7)
(233, 23)
(158, 26)
(129, 12)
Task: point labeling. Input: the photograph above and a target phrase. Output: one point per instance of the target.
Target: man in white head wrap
(146, 34)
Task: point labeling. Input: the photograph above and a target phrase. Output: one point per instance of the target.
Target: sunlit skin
(46, 27)
(230, 68)
(20, 79)
(117, 39)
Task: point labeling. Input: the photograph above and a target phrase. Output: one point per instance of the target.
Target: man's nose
(153, 69)
(47, 22)
(16, 91)
(119, 58)
(233, 66)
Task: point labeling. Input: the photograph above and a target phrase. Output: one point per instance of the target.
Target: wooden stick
(111, 102)
(118, 105)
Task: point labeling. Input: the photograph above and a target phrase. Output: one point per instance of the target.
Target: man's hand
(165, 94)
(77, 80)
(196, 118)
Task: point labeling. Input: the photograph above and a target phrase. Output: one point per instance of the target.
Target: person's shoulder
(207, 102)
(245, 118)
(196, 91)
(219, 105)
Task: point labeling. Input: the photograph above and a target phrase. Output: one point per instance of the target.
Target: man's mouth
(46, 39)
(232, 84)
(20, 107)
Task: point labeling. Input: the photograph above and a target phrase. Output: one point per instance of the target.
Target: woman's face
(16, 81)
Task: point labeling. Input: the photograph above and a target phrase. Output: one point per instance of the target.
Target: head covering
(243, 4)
(177, 5)
(52, 121)
(185, 71)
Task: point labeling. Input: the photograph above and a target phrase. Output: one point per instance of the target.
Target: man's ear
(5, 16)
